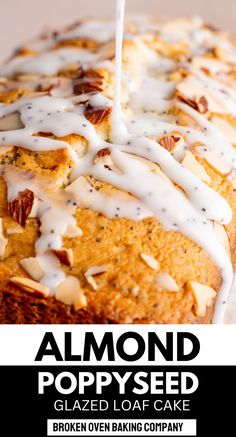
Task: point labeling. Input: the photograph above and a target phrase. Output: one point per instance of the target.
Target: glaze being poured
(118, 129)
(148, 181)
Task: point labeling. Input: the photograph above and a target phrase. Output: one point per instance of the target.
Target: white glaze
(189, 211)
(97, 30)
(112, 205)
(48, 63)
(118, 128)
(55, 214)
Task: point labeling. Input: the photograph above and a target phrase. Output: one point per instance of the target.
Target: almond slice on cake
(30, 285)
(21, 207)
(195, 167)
(65, 256)
(150, 261)
(203, 295)
(32, 266)
(166, 282)
(3, 240)
(217, 163)
(70, 293)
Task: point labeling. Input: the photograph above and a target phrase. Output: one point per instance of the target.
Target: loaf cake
(111, 217)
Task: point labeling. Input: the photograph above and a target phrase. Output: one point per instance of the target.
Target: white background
(188, 428)
(22, 19)
(19, 344)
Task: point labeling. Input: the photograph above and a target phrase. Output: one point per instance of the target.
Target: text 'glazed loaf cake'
(117, 193)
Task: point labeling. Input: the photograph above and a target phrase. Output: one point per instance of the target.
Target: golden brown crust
(115, 243)
(20, 307)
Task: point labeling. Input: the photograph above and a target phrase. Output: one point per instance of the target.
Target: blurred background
(22, 19)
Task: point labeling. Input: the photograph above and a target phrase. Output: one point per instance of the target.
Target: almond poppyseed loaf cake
(118, 207)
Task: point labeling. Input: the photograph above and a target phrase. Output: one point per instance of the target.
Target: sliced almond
(223, 237)
(177, 145)
(97, 115)
(191, 91)
(89, 82)
(96, 270)
(166, 282)
(228, 130)
(35, 208)
(177, 137)
(30, 285)
(202, 104)
(102, 152)
(195, 167)
(203, 295)
(91, 281)
(33, 268)
(79, 185)
(65, 256)
(86, 87)
(21, 207)
(150, 261)
(11, 122)
(73, 232)
(168, 142)
(81, 302)
(3, 240)
(3, 245)
(70, 293)
(103, 157)
(150, 164)
(218, 164)
(210, 65)
(17, 229)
